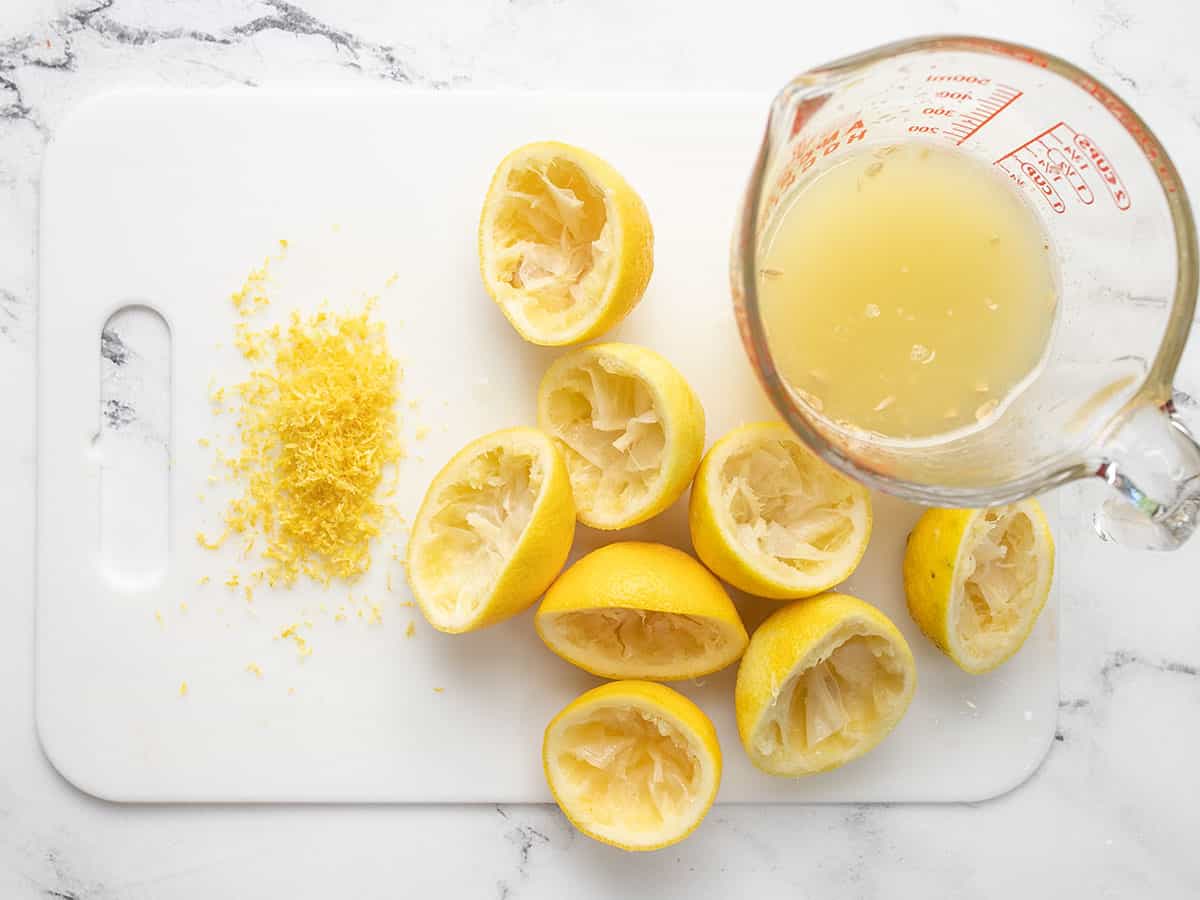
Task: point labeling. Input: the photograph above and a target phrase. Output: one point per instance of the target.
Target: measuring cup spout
(1153, 462)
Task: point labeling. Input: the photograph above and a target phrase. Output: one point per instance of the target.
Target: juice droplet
(885, 403)
(872, 311)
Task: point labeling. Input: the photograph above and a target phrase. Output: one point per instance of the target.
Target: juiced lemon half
(640, 610)
(977, 579)
(823, 681)
(771, 518)
(565, 244)
(493, 531)
(630, 427)
(633, 764)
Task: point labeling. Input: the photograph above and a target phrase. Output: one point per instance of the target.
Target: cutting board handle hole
(132, 447)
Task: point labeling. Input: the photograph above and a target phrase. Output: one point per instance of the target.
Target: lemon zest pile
(318, 429)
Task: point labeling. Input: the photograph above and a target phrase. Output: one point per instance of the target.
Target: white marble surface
(1114, 809)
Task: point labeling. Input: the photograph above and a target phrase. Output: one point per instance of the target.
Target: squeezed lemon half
(493, 531)
(630, 427)
(633, 764)
(641, 610)
(771, 518)
(977, 579)
(565, 244)
(823, 681)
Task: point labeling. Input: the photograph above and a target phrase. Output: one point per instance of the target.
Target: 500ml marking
(1061, 161)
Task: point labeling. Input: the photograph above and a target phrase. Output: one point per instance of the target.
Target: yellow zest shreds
(204, 579)
(318, 429)
(303, 648)
(255, 670)
(183, 689)
(438, 690)
(253, 294)
(410, 631)
(210, 543)
(158, 617)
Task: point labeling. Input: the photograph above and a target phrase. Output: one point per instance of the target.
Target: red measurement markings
(1111, 180)
(1062, 156)
(805, 150)
(995, 102)
(1061, 165)
(1044, 187)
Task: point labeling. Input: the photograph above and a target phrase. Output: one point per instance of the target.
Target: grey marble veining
(1112, 812)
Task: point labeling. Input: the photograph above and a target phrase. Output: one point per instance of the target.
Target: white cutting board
(168, 199)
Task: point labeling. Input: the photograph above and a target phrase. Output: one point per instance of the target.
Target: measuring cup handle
(1153, 462)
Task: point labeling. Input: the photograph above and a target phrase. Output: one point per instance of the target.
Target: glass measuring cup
(1120, 224)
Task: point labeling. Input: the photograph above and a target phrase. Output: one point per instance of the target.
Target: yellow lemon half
(630, 427)
(823, 681)
(565, 244)
(977, 579)
(640, 610)
(493, 531)
(771, 518)
(633, 764)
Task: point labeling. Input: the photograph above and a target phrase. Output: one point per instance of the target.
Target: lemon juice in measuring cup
(990, 313)
(908, 291)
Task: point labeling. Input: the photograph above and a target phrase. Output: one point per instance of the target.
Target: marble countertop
(1112, 811)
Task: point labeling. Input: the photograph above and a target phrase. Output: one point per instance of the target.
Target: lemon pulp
(494, 529)
(633, 764)
(771, 518)
(824, 711)
(654, 639)
(823, 681)
(553, 240)
(630, 427)
(608, 422)
(641, 610)
(566, 247)
(976, 580)
(788, 508)
(629, 767)
(481, 517)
